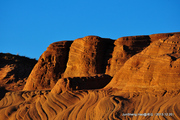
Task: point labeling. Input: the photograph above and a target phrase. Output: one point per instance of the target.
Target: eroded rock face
(50, 66)
(155, 37)
(88, 56)
(125, 48)
(155, 68)
(14, 71)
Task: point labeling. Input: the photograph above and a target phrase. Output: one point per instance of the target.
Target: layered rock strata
(156, 67)
(50, 67)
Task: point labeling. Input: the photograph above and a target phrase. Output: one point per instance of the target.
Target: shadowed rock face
(14, 71)
(141, 75)
(81, 83)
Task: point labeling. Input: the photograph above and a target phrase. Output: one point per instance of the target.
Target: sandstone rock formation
(156, 67)
(141, 76)
(14, 71)
(84, 57)
(124, 48)
(88, 56)
(50, 66)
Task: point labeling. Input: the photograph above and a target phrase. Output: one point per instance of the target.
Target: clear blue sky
(27, 27)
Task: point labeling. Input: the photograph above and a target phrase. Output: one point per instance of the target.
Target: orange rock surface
(156, 67)
(88, 56)
(50, 66)
(93, 78)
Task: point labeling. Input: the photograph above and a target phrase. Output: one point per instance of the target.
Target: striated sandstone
(125, 48)
(156, 68)
(50, 66)
(88, 56)
(87, 105)
(85, 57)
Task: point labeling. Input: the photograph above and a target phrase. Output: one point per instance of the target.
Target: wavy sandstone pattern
(89, 105)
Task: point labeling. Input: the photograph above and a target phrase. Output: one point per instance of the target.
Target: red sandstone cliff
(85, 57)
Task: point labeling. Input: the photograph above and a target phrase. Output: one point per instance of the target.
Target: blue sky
(27, 27)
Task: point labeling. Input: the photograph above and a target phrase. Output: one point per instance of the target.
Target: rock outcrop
(14, 71)
(88, 56)
(85, 57)
(124, 48)
(157, 67)
(50, 67)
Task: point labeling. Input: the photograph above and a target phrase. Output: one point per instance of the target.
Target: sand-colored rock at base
(81, 83)
(89, 105)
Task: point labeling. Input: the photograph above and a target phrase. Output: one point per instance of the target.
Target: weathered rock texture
(14, 71)
(50, 67)
(85, 57)
(88, 56)
(89, 105)
(145, 84)
(157, 67)
(124, 48)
